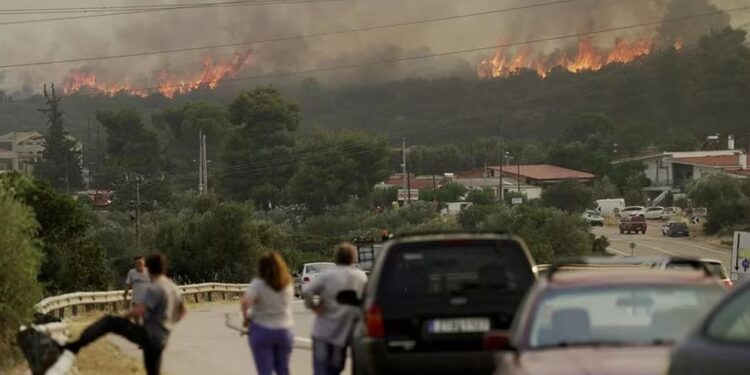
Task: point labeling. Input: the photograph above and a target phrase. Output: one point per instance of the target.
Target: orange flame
(169, 84)
(586, 57)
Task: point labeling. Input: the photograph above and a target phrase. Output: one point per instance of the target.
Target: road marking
(616, 251)
(686, 243)
(650, 247)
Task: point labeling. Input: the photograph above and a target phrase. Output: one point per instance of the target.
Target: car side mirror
(348, 297)
(496, 341)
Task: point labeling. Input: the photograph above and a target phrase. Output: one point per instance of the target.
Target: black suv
(432, 298)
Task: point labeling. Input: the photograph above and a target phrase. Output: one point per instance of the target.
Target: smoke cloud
(172, 29)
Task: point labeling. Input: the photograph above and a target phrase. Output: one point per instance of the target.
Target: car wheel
(622, 231)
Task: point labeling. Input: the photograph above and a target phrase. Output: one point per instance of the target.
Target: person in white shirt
(138, 280)
(333, 323)
(270, 320)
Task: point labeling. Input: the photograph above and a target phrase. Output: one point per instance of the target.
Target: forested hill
(699, 89)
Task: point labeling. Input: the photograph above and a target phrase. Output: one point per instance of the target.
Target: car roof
(447, 236)
(610, 275)
(316, 263)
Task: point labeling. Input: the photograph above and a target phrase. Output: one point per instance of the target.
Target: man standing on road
(160, 309)
(138, 280)
(334, 321)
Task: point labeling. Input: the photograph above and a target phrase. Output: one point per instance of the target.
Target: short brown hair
(344, 253)
(156, 264)
(273, 270)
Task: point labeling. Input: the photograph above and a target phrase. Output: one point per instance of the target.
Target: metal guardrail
(69, 304)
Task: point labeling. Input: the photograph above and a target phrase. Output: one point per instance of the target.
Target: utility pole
(200, 162)
(403, 168)
(138, 213)
(205, 165)
(502, 161)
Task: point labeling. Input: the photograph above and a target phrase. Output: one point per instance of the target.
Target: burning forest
(163, 81)
(585, 56)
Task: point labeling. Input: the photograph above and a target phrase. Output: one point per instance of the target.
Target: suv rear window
(638, 219)
(439, 269)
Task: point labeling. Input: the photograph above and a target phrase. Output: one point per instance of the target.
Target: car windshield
(437, 270)
(319, 267)
(679, 226)
(622, 315)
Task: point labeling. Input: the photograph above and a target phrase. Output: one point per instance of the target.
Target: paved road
(201, 344)
(654, 244)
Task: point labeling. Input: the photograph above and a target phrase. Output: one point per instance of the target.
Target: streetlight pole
(138, 213)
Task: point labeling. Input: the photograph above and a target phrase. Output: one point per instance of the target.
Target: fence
(76, 303)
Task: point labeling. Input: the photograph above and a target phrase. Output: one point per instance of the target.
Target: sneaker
(63, 365)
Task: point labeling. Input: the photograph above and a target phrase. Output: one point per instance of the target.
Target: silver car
(307, 273)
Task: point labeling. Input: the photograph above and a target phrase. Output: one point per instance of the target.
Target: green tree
(570, 195)
(130, 146)
(450, 192)
(482, 197)
(532, 154)
(723, 196)
(64, 236)
(330, 175)
(604, 189)
(19, 259)
(550, 234)
(260, 151)
(182, 124)
(61, 161)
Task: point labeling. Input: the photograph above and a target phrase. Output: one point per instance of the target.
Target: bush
(570, 196)
(726, 214)
(550, 233)
(19, 260)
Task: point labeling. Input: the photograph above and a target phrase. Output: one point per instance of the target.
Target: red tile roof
(712, 161)
(545, 172)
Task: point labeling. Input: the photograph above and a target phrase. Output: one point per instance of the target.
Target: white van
(610, 207)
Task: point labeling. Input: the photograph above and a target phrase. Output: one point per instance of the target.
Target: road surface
(654, 244)
(201, 344)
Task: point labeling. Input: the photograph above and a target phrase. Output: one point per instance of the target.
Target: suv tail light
(306, 280)
(374, 321)
(496, 341)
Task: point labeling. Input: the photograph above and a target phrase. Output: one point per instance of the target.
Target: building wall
(659, 171)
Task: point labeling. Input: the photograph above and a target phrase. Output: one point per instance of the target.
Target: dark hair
(137, 257)
(156, 264)
(273, 270)
(345, 253)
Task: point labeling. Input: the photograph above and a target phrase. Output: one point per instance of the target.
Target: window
(619, 315)
(732, 322)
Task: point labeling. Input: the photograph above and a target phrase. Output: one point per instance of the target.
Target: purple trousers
(271, 349)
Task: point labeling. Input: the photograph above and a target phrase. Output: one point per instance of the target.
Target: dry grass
(103, 357)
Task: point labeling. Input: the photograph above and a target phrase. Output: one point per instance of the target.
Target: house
(8, 156)
(541, 175)
(482, 178)
(29, 148)
(675, 170)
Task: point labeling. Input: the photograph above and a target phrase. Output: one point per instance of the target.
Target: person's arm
(128, 286)
(310, 291)
(181, 311)
(247, 301)
(136, 312)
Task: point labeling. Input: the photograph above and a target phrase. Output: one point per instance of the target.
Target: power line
(109, 8)
(458, 52)
(288, 38)
(138, 11)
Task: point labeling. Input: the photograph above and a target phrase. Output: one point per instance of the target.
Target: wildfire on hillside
(584, 57)
(167, 83)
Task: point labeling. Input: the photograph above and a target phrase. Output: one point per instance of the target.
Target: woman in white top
(269, 299)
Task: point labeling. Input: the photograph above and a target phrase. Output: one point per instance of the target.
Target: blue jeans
(328, 359)
(271, 349)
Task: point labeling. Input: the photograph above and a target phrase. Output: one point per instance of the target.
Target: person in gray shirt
(160, 309)
(138, 280)
(334, 322)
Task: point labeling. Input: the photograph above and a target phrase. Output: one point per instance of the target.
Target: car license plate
(458, 325)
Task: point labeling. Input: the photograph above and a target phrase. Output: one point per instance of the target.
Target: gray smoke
(196, 27)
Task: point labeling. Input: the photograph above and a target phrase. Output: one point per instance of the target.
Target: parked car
(632, 211)
(720, 344)
(307, 273)
(593, 218)
(654, 213)
(613, 322)
(633, 224)
(431, 299)
(675, 228)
